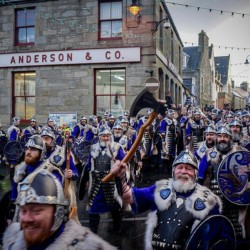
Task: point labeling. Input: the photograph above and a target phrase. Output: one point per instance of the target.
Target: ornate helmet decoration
(186, 157)
(224, 130)
(104, 130)
(36, 141)
(236, 122)
(15, 120)
(42, 187)
(210, 129)
(216, 112)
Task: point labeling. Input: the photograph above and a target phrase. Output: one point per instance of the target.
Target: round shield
(214, 233)
(24, 139)
(234, 177)
(13, 151)
(82, 149)
(3, 142)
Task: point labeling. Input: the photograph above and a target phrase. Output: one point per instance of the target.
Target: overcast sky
(222, 29)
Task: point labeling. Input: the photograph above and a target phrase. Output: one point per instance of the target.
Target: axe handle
(131, 152)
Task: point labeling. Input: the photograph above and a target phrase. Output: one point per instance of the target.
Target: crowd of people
(185, 147)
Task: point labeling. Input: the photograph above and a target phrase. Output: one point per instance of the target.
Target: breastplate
(173, 228)
(102, 162)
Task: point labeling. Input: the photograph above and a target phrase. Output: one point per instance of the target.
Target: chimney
(203, 41)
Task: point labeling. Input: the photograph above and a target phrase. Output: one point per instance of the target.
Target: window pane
(30, 107)
(105, 11)
(118, 82)
(20, 107)
(20, 18)
(19, 84)
(22, 35)
(106, 29)
(30, 35)
(116, 11)
(116, 28)
(103, 82)
(102, 104)
(117, 105)
(30, 84)
(30, 17)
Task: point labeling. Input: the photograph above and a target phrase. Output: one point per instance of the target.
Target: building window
(110, 19)
(24, 95)
(25, 26)
(110, 91)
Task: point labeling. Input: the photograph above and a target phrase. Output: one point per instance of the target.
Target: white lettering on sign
(92, 56)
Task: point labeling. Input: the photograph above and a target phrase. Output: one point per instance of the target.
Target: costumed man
(169, 132)
(207, 176)
(44, 221)
(104, 121)
(50, 125)
(126, 141)
(246, 138)
(174, 203)
(236, 129)
(78, 129)
(91, 130)
(229, 117)
(56, 155)
(244, 118)
(195, 130)
(216, 118)
(147, 148)
(209, 142)
(33, 128)
(103, 198)
(111, 121)
(14, 132)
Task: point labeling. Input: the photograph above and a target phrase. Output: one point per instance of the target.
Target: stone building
(83, 57)
(199, 72)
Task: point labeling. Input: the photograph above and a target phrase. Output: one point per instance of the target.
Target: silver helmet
(186, 157)
(224, 130)
(15, 120)
(210, 129)
(48, 132)
(42, 187)
(104, 130)
(36, 141)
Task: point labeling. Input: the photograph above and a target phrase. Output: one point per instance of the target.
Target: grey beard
(223, 147)
(103, 143)
(183, 188)
(236, 137)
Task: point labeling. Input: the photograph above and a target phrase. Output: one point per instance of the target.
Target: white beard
(104, 144)
(182, 187)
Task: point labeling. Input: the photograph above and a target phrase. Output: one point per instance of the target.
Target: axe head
(146, 99)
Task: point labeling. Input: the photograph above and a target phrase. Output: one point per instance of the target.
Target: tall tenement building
(84, 57)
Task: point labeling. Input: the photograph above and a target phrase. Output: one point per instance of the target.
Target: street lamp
(134, 8)
(246, 62)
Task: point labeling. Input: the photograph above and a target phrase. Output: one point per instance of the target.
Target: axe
(144, 100)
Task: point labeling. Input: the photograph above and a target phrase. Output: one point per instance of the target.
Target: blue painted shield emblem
(213, 154)
(165, 193)
(234, 177)
(199, 205)
(57, 158)
(203, 149)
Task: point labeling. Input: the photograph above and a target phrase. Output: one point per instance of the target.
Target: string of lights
(198, 8)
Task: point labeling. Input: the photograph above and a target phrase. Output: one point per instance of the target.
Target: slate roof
(194, 58)
(222, 66)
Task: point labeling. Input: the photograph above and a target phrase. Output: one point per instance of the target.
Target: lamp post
(166, 24)
(247, 62)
